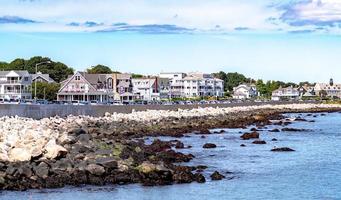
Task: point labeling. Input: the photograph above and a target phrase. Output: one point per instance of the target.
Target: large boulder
(42, 170)
(217, 176)
(95, 169)
(53, 150)
(19, 155)
(252, 135)
(4, 157)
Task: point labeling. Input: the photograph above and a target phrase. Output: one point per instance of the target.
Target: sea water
(313, 171)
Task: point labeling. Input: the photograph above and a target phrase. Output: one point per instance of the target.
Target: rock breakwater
(53, 152)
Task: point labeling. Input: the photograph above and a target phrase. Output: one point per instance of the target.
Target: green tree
(231, 80)
(46, 91)
(136, 75)
(99, 69)
(261, 87)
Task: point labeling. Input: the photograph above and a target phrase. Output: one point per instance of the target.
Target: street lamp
(35, 82)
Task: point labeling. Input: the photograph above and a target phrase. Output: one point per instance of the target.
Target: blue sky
(286, 40)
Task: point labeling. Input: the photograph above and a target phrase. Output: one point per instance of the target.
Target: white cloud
(314, 12)
(194, 14)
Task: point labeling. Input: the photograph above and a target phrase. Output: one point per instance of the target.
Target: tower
(331, 82)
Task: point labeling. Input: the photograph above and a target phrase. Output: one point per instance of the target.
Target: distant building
(15, 85)
(146, 88)
(86, 87)
(306, 91)
(328, 89)
(193, 85)
(288, 93)
(123, 87)
(40, 77)
(245, 91)
(175, 82)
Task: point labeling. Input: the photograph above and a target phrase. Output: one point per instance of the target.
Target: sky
(289, 40)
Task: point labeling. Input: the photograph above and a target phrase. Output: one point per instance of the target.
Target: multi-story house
(164, 88)
(201, 85)
(15, 85)
(86, 87)
(146, 88)
(175, 82)
(328, 89)
(123, 87)
(288, 93)
(245, 91)
(40, 77)
(194, 85)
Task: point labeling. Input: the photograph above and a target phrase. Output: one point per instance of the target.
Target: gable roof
(43, 76)
(18, 72)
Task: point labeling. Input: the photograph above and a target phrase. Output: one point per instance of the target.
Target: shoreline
(54, 152)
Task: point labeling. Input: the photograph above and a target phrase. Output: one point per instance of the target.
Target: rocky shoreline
(77, 150)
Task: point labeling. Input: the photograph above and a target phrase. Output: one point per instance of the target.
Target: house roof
(43, 76)
(327, 86)
(19, 72)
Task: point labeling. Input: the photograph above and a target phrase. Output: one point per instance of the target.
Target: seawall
(42, 111)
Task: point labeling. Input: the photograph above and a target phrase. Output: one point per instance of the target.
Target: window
(25, 78)
(77, 78)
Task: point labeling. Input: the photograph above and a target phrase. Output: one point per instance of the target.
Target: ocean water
(313, 171)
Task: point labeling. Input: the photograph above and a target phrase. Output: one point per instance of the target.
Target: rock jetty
(54, 152)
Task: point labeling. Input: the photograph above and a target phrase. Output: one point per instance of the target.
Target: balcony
(17, 91)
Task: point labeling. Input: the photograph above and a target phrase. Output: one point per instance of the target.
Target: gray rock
(109, 162)
(42, 170)
(95, 169)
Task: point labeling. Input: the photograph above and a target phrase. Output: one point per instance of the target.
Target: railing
(17, 91)
(12, 81)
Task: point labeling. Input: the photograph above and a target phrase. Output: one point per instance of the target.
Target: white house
(202, 85)
(15, 85)
(175, 82)
(146, 88)
(245, 91)
(285, 94)
(193, 85)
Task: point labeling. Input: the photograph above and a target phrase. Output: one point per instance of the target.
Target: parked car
(93, 102)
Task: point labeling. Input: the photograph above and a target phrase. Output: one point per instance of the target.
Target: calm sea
(313, 171)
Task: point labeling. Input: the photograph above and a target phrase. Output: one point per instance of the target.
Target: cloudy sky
(290, 40)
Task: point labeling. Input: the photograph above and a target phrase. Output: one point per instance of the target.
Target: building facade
(146, 89)
(328, 89)
(193, 85)
(86, 87)
(15, 85)
(176, 85)
(123, 87)
(103, 88)
(245, 91)
(288, 93)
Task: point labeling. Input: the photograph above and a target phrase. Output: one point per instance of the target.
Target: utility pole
(35, 82)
